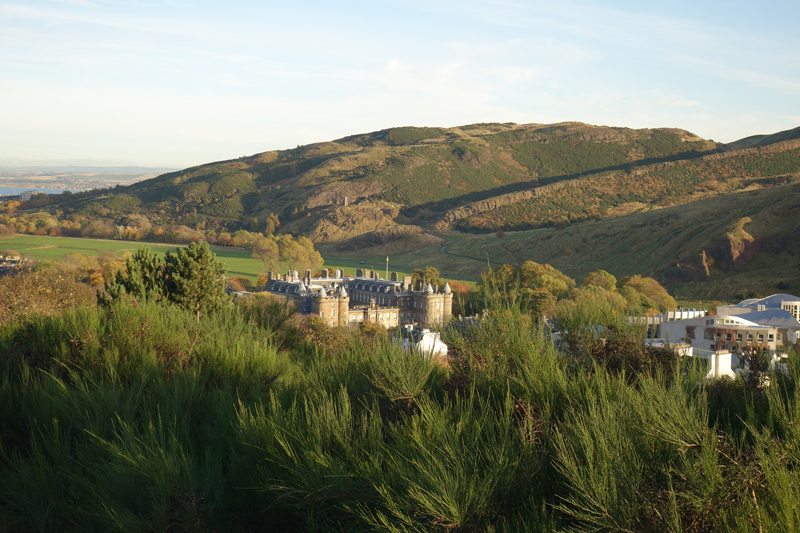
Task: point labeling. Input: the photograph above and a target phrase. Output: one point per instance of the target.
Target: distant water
(11, 191)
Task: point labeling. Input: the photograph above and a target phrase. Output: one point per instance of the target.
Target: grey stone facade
(365, 297)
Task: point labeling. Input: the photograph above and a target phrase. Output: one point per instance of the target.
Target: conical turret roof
(447, 288)
(429, 288)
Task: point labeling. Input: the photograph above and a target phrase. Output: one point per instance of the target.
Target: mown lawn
(240, 263)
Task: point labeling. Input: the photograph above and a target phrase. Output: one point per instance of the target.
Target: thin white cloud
(198, 82)
(80, 3)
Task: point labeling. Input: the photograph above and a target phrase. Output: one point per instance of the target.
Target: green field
(43, 248)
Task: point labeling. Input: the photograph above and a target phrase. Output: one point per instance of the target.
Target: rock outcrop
(694, 268)
(379, 237)
(731, 255)
(343, 222)
(344, 193)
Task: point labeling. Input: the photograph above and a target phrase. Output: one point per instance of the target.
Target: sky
(176, 83)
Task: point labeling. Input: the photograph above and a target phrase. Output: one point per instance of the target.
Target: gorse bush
(140, 417)
(45, 293)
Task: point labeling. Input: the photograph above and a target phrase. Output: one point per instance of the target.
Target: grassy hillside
(638, 188)
(477, 178)
(763, 140)
(619, 192)
(652, 243)
(417, 172)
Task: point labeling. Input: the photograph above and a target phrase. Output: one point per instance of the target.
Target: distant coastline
(16, 191)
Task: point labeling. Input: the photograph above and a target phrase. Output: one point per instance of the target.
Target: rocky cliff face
(343, 222)
(694, 268)
(344, 193)
(731, 255)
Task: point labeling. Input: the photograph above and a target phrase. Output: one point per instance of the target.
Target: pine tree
(144, 279)
(195, 279)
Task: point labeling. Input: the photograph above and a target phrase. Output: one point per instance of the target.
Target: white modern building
(787, 302)
(764, 323)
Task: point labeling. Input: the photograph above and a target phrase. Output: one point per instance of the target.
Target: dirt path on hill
(512, 254)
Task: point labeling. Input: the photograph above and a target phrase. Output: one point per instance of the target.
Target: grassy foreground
(140, 418)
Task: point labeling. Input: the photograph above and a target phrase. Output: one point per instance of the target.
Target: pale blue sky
(179, 83)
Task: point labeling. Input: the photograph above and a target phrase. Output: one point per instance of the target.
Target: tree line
(544, 289)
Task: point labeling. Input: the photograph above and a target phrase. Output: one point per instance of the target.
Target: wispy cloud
(196, 80)
(81, 3)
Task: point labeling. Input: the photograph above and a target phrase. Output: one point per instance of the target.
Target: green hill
(724, 247)
(412, 174)
(663, 201)
(755, 141)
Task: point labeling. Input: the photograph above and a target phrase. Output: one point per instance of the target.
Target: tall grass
(139, 418)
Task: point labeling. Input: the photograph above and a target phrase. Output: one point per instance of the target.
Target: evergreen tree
(144, 279)
(429, 275)
(195, 279)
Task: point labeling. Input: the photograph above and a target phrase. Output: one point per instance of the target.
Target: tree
(429, 275)
(299, 253)
(195, 279)
(601, 279)
(588, 317)
(240, 283)
(652, 290)
(143, 280)
(98, 229)
(311, 258)
(138, 221)
(266, 249)
(536, 276)
(272, 224)
(503, 279)
(541, 302)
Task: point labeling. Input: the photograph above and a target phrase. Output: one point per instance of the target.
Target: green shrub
(139, 417)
